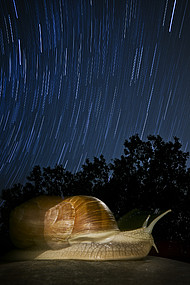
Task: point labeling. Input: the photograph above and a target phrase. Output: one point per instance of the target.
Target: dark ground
(152, 270)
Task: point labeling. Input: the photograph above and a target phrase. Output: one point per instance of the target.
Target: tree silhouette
(149, 171)
(53, 180)
(93, 177)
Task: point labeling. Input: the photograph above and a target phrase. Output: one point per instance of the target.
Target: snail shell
(49, 221)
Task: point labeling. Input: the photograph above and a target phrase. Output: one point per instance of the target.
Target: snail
(78, 227)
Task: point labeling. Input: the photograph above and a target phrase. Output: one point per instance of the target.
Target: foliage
(150, 176)
(132, 220)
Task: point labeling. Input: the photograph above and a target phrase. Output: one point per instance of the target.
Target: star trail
(79, 77)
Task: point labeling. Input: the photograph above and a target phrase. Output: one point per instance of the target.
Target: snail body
(78, 227)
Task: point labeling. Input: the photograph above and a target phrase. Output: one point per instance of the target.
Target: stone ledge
(152, 270)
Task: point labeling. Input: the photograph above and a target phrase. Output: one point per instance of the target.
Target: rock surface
(152, 270)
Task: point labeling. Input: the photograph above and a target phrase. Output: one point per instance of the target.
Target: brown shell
(27, 221)
(91, 215)
(49, 221)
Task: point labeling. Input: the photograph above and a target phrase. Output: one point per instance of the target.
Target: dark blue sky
(77, 78)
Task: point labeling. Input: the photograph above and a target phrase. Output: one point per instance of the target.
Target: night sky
(79, 77)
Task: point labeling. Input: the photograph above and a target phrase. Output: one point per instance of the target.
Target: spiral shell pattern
(50, 222)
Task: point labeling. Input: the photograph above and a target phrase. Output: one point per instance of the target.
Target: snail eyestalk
(146, 222)
(152, 224)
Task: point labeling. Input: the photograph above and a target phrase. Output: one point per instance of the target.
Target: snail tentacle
(152, 224)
